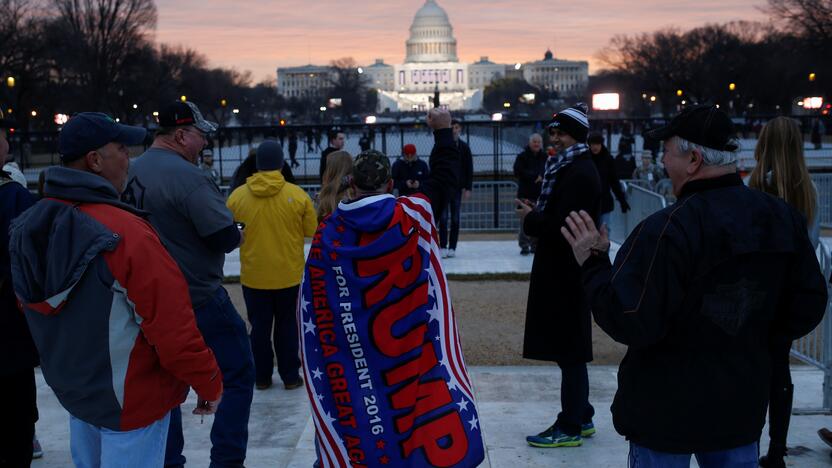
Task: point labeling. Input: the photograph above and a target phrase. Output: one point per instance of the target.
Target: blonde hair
(781, 167)
(335, 186)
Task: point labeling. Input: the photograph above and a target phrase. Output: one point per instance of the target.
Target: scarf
(554, 165)
(379, 343)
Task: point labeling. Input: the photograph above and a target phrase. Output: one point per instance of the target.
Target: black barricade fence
(494, 145)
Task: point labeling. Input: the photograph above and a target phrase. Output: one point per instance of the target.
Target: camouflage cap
(370, 170)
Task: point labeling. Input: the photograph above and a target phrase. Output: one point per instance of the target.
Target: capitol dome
(431, 36)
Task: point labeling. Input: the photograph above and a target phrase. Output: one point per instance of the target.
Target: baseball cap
(409, 149)
(88, 131)
(704, 125)
(370, 170)
(180, 114)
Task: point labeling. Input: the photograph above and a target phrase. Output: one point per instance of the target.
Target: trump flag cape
(379, 343)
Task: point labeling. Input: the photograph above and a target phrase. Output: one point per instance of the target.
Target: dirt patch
(491, 316)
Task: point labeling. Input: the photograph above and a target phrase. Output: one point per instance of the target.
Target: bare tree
(811, 19)
(102, 33)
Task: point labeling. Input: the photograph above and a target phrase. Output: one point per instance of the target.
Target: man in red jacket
(109, 311)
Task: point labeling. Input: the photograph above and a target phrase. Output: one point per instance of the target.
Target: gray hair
(535, 135)
(710, 156)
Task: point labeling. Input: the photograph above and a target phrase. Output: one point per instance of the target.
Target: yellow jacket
(278, 215)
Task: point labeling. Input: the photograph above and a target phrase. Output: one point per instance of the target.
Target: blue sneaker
(552, 438)
(588, 429)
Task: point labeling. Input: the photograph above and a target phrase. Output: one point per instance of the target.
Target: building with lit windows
(431, 64)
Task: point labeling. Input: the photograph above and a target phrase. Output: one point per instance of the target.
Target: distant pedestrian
(648, 174)
(190, 215)
(781, 171)
(378, 329)
(293, 148)
(17, 375)
(336, 183)
(207, 166)
(626, 142)
(449, 235)
(558, 324)
(277, 216)
(609, 179)
(529, 167)
(336, 139)
(715, 282)
(364, 142)
(817, 135)
(409, 172)
(109, 310)
(310, 140)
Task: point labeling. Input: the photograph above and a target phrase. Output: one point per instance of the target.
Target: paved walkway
(513, 402)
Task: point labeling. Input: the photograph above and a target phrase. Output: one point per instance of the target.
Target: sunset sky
(260, 35)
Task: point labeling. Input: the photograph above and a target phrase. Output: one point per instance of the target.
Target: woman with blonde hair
(336, 183)
(781, 171)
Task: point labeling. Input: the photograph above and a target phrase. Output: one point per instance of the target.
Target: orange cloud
(260, 35)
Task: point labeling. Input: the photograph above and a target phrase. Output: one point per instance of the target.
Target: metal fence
(816, 348)
(823, 183)
(494, 145)
(643, 203)
(490, 208)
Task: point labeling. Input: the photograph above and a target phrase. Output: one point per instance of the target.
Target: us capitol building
(432, 64)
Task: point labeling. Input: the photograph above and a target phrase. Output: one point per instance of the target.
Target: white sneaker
(451, 253)
(444, 253)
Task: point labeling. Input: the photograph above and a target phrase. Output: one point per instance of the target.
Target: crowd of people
(117, 272)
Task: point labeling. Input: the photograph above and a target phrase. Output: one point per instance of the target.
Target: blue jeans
(454, 201)
(94, 447)
(274, 331)
(225, 333)
(739, 457)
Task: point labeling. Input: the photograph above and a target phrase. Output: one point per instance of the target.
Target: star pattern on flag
(340, 228)
(309, 327)
(303, 304)
(333, 256)
(474, 422)
(437, 338)
(380, 444)
(463, 404)
(317, 373)
(331, 420)
(320, 397)
(434, 313)
(384, 460)
(336, 243)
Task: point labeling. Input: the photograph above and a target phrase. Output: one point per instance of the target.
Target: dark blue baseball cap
(88, 131)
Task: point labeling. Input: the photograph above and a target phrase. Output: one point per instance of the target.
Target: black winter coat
(700, 292)
(16, 346)
(624, 167)
(466, 166)
(404, 170)
(609, 180)
(558, 325)
(527, 168)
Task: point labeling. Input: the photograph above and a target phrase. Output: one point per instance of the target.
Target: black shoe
(293, 385)
(263, 385)
(525, 252)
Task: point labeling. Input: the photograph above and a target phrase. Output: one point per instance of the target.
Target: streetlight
(223, 102)
(506, 104)
(679, 92)
(34, 113)
(155, 113)
(517, 66)
(732, 86)
(652, 98)
(360, 70)
(644, 96)
(183, 98)
(322, 108)
(135, 106)
(235, 111)
(10, 82)
(812, 76)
